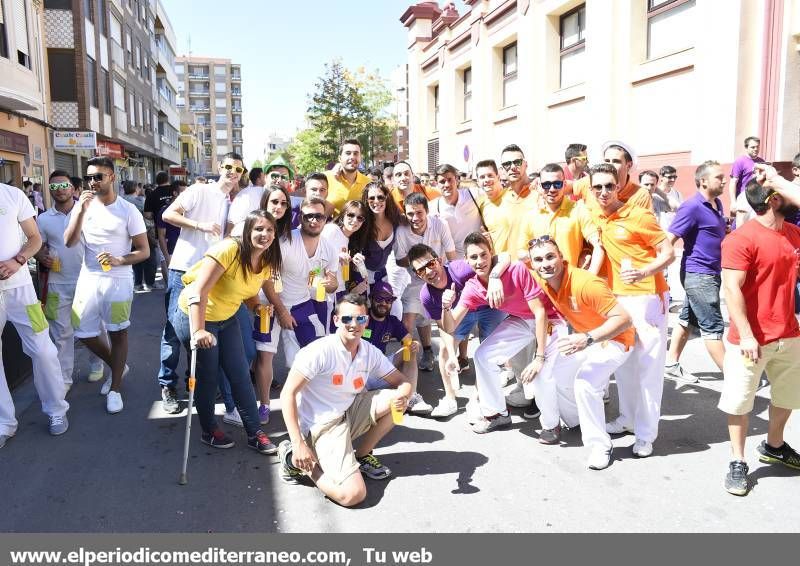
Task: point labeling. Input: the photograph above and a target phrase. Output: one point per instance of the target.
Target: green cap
(279, 162)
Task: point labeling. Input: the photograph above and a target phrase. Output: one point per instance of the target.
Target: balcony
(237, 110)
(197, 76)
(236, 77)
(199, 108)
(236, 92)
(118, 57)
(199, 92)
(121, 120)
(237, 124)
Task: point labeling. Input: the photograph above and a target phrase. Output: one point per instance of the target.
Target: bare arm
(34, 238)
(732, 194)
(617, 321)
(732, 282)
(175, 214)
(72, 234)
(598, 255)
(208, 275)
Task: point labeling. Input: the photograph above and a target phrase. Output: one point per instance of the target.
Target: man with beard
(760, 263)
(346, 182)
(700, 223)
(519, 201)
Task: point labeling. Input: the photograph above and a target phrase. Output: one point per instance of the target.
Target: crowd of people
(559, 273)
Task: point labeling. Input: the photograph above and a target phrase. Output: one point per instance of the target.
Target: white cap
(629, 149)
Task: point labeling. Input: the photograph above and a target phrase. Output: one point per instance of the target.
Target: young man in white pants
(64, 265)
(530, 314)
(19, 304)
(587, 358)
(106, 226)
(637, 252)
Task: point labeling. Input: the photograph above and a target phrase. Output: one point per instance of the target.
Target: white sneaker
(233, 418)
(96, 374)
(517, 398)
(675, 371)
(113, 402)
(506, 376)
(445, 407)
(599, 458)
(58, 425)
(616, 427)
(473, 410)
(4, 438)
(642, 448)
(107, 383)
(418, 406)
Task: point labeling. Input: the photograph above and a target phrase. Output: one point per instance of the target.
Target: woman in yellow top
(231, 272)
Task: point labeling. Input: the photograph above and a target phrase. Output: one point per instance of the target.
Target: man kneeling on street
(326, 405)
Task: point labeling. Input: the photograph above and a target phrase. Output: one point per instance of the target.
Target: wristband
(20, 259)
(539, 357)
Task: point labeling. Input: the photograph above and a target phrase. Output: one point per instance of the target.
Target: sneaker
(506, 376)
(158, 285)
(616, 427)
(372, 468)
(517, 398)
(169, 403)
(473, 410)
(289, 473)
(444, 408)
(217, 439)
(463, 364)
(113, 402)
(532, 412)
(785, 455)
(4, 438)
(675, 371)
(107, 383)
(138, 288)
(261, 443)
(426, 360)
(418, 406)
(550, 435)
(58, 425)
(736, 478)
(263, 414)
(233, 418)
(96, 374)
(642, 448)
(146, 288)
(275, 385)
(488, 424)
(599, 458)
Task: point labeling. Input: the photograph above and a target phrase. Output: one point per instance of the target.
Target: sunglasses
(236, 168)
(97, 177)
(360, 319)
(352, 215)
(276, 176)
(313, 216)
(423, 268)
(516, 163)
(60, 186)
(540, 240)
(671, 177)
(608, 187)
(379, 198)
(554, 184)
(384, 299)
(769, 197)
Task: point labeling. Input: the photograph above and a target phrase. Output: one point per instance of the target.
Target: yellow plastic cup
(56, 266)
(406, 349)
(320, 291)
(263, 315)
(346, 271)
(397, 416)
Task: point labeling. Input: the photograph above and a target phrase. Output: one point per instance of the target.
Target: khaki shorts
(333, 442)
(781, 362)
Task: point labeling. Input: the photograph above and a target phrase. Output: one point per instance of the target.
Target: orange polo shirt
(585, 300)
(569, 226)
(429, 193)
(633, 233)
(632, 193)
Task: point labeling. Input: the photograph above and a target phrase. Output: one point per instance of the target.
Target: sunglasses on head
(540, 240)
(315, 216)
(60, 186)
(516, 163)
(386, 300)
(276, 176)
(379, 198)
(423, 268)
(352, 215)
(360, 319)
(554, 184)
(97, 177)
(236, 168)
(608, 187)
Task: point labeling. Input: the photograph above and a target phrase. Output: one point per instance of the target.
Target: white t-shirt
(334, 378)
(336, 238)
(743, 207)
(463, 219)
(437, 237)
(14, 208)
(201, 203)
(297, 267)
(52, 224)
(248, 200)
(109, 229)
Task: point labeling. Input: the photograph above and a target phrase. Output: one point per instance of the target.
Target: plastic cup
(397, 416)
(625, 263)
(263, 316)
(320, 296)
(406, 349)
(346, 271)
(55, 267)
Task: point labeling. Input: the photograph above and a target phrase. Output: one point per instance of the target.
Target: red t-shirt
(770, 260)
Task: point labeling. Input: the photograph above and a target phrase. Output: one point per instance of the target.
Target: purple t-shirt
(702, 230)
(742, 170)
(381, 332)
(172, 232)
(458, 272)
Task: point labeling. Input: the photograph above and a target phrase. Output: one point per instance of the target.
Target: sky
(283, 46)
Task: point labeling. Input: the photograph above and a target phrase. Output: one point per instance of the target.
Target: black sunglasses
(555, 184)
(97, 177)
(379, 198)
(384, 299)
(318, 216)
(608, 187)
(540, 240)
(358, 217)
(516, 163)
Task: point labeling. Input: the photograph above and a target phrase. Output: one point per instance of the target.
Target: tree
(307, 151)
(257, 164)
(377, 125)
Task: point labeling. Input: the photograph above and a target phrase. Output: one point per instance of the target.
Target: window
(105, 83)
(220, 71)
(572, 26)
(61, 71)
(119, 95)
(132, 108)
(221, 119)
(510, 75)
(129, 43)
(467, 80)
(138, 59)
(141, 114)
(436, 108)
(58, 4)
(21, 33)
(670, 26)
(101, 17)
(115, 28)
(88, 10)
(91, 79)
(220, 86)
(3, 42)
(222, 134)
(220, 103)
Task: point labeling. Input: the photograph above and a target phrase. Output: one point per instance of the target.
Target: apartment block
(211, 89)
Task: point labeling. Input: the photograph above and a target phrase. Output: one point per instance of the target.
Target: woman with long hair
(277, 202)
(231, 272)
(383, 218)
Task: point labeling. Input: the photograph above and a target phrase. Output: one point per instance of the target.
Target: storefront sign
(74, 140)
(16, 143)
(110, 149)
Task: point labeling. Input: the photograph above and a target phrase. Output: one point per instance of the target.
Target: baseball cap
(382, 289)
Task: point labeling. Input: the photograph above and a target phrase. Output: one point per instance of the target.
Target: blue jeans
(486, 318)
(229, 355)
(701, 308)
(170, 345)
(246, 326)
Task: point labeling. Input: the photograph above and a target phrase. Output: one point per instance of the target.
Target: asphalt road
(118, 473)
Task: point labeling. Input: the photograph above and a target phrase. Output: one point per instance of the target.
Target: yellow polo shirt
(340, 191)
(516, 210)
(569, 226)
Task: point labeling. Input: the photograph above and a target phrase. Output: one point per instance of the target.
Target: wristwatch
(20, 259)
(589, 339)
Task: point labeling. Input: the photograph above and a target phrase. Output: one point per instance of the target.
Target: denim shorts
(486, 318)
(701, 307)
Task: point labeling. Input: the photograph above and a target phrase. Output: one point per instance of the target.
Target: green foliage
(257, 163)
(306, 152)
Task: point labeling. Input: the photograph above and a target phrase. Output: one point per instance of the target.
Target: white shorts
(101, 301)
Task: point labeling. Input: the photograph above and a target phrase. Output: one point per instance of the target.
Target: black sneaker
(785, 455)
(289, 473)
(736, 479)
(217, 439)
(550, 435)
(463, 364)
(261, 443)
(169, 403)
(532, 412)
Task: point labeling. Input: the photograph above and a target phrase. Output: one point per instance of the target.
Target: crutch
(192, 369)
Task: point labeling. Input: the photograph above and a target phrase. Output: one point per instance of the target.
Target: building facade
(218, 108)
(192, 151)
(682, 81)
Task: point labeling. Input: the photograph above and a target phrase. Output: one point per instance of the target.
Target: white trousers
(399, 279)
(595, 365)
(554, 386)
(58, 311)
(640, 380)
(21, 307)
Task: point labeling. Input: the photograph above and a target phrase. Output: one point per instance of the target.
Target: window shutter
(433, 154)
(21, 26)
